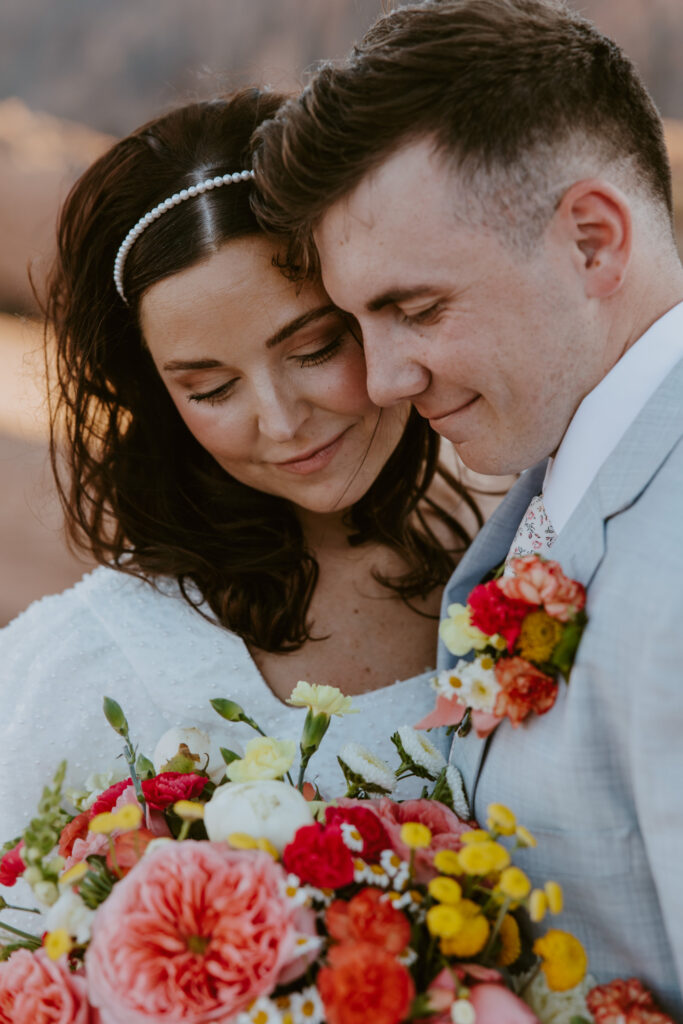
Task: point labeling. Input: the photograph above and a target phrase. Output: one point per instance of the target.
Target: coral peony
(445, 826)
(367, 917)
(12, 865)
(624, 1002)
(544, 583)
(524, 688)
(492, 611)
(362, 983)
(37, 990)
(373, 833)
(319, 856)
(194, 933)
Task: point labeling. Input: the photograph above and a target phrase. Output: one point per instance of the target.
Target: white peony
(198, 742)
(71, 914)
(263, 809)
(421, 750)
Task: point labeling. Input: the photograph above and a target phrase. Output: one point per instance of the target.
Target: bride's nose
(280, 411)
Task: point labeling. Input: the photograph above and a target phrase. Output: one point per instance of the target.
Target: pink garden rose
(194, 933)
(445, 826)
(37, 990)
(544, 583)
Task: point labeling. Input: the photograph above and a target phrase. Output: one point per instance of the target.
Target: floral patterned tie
(535, 534)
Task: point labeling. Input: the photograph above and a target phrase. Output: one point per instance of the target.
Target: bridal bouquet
(207, 887)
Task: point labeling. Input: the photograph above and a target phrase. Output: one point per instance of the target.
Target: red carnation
(164, 789)
(371, 829)
(76, 829)
(624, 1002)
(319, 856)
(492, 612)
(11, 865)
(524, 689)
(107, 800)
(367, 917)
(364, 982)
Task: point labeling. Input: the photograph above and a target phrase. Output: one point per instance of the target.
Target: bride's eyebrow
(299, 322)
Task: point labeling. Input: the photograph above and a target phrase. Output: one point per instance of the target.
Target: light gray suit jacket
(599, 778)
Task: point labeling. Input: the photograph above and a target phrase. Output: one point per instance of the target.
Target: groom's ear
(594, 217)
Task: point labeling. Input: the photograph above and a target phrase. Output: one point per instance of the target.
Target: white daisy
(421, 750)
(372, 772)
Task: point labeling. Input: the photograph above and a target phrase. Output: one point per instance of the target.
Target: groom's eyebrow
(395, 295)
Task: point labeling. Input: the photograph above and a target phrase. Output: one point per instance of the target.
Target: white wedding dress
(112, 634)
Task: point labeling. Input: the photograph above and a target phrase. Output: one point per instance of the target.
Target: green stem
(18, 931)
(496, 928)
(26, 910)
(129, 755)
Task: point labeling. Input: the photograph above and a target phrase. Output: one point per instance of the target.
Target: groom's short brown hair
(517, 94)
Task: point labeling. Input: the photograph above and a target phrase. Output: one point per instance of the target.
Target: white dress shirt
(606, 413)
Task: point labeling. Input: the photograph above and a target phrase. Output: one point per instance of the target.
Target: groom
(486, 188)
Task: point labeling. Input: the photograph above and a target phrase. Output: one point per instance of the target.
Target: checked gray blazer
(599, 778)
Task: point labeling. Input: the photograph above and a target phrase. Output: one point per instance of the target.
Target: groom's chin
(492, 456)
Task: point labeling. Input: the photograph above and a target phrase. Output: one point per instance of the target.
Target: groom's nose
(393, 375)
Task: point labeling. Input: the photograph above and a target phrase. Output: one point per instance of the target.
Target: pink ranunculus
(538, 582)
(524, 688)
(37, 990)
(194, 933)
(92, 844)
(494, 1004)
(445, 826)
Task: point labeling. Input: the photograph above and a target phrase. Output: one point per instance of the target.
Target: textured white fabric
(607, 412)
(535, 534)
(115, 635)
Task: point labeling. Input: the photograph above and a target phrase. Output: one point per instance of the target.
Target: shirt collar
(606, 413)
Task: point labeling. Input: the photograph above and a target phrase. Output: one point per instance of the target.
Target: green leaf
(229, 755)
(563, 656)
(144, 767)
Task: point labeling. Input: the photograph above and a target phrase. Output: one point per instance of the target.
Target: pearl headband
(178, 197)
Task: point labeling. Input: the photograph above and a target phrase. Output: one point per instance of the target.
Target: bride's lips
(317, 458)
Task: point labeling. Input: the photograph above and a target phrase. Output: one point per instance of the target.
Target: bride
(256, 518)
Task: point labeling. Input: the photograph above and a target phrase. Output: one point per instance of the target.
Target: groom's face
(495, 346)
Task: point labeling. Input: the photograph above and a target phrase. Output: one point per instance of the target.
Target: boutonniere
(523, 630)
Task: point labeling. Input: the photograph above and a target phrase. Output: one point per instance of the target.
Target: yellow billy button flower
(128, 818)
(444, 922)
(539, 636)
(102, 824)
(553, 891)
(511, 944)
(564, 960)
(189, 810)
(501, 819)
(538, 905)
(483, 858)
(57, 943)
(447, 862)
(321, 700)
(445, 890)
(415, 835)
(473, 935)
(242, 841)
(514, 883)
(476, 835)
(524, 836)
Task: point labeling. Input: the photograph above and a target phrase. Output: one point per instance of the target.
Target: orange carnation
(362, 983)
(368, 918)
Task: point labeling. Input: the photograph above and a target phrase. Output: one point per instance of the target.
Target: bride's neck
(325, 533)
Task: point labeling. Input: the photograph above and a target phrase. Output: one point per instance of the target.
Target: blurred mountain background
(74, 74)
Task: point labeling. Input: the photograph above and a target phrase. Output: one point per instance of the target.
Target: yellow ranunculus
(564, 959)
(444, 922)
(476, 835)
(470, 940)
(483, 858)
(57, 943)
(447, 862)
(553, 891)
(514, 883)
(445, 890)
(538, 905)
(511, 944)
(264, 758)
(458, 633)
(539, 636)
(501, 819)
(415, 835)
(322, 700)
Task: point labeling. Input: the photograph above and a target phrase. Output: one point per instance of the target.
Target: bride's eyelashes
(317, 358)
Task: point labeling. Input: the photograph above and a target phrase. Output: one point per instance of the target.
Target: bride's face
(268, 379)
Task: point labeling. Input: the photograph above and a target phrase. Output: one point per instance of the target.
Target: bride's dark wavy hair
(139, 493)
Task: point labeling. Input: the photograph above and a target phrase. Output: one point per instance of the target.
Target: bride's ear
(595, 218)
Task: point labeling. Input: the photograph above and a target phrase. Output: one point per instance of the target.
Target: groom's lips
(438, 419)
